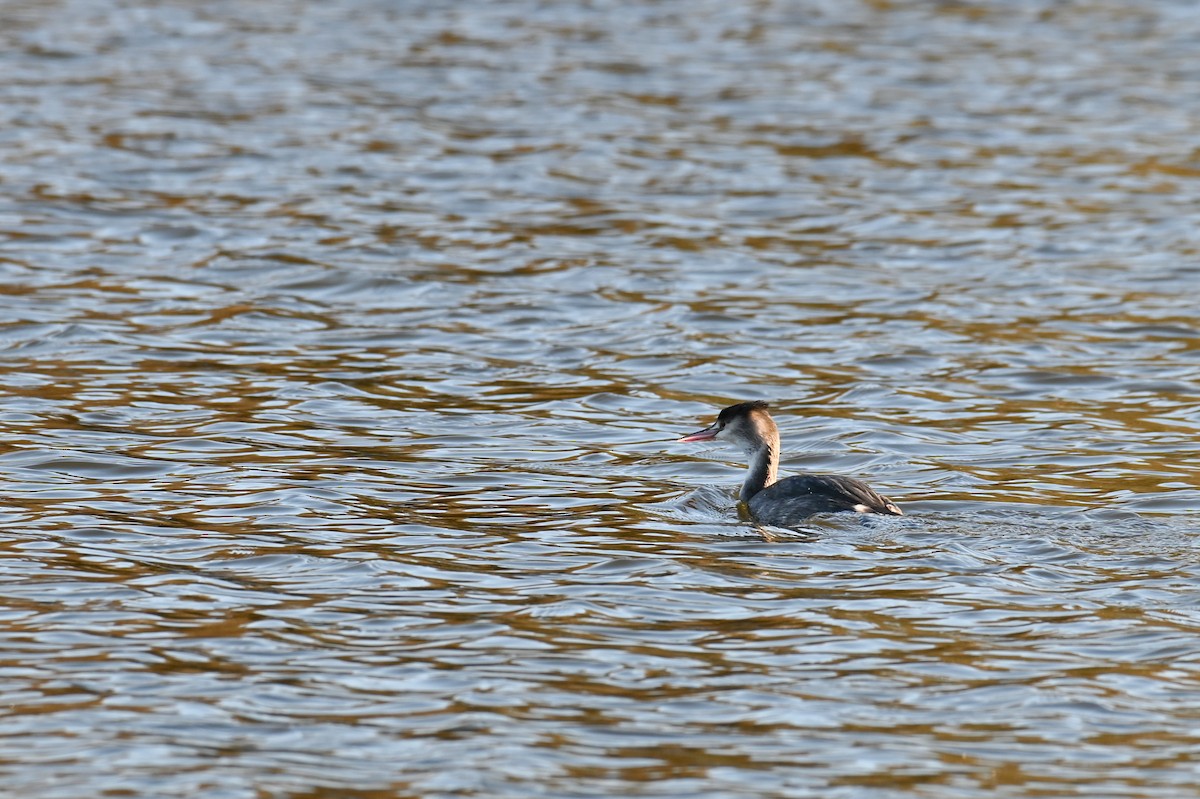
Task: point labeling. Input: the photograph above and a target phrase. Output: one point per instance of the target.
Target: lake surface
(345, 346)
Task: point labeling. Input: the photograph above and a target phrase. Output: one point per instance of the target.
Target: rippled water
(345, 347)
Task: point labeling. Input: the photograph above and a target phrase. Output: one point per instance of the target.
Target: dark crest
(741, 409)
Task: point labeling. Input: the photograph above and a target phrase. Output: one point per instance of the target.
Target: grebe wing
(795, 498)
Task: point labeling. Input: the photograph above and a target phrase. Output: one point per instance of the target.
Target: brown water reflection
(346, 344)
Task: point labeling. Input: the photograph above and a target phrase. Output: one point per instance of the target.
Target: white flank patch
(860, 508)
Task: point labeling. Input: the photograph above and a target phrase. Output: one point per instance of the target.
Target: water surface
(345, 347)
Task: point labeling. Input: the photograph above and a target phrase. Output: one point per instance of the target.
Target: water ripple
(346, 347)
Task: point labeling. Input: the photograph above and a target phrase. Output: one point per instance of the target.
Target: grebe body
(786, 502)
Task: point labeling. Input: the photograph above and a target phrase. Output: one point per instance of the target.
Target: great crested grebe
(785, 502)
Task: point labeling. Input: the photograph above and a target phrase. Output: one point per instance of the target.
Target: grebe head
(746, 425)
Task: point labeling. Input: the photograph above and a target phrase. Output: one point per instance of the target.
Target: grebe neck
(764, 469)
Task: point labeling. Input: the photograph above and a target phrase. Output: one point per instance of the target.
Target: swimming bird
(786, 502)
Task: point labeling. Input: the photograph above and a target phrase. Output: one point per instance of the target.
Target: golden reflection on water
(342, 383)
